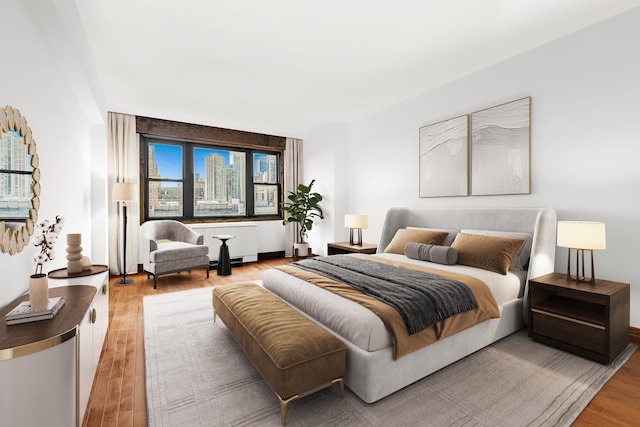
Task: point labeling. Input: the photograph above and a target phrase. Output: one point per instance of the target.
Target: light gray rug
(196, 375)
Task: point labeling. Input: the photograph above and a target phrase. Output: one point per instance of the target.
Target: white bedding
(504, 288)
(373, 374)
(358, 324)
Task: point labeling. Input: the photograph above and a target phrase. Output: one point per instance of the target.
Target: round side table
(224, 262)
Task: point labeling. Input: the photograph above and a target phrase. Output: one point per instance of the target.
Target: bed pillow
(404, 236)
(439, 254)
(486, 252)
(521, 259)
(451, 233)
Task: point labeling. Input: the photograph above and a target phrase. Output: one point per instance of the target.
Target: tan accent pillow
(486, 252)
(520, 260)
(404, 236)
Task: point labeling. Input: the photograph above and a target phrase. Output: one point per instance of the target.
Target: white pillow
(520, 260)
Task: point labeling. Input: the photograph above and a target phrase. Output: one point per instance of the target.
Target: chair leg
(155, 282)
(207, 268)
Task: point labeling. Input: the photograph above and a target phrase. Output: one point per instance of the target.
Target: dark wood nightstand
(346, 248)
(591, 320)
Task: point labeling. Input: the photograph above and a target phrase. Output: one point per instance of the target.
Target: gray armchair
(169, 246)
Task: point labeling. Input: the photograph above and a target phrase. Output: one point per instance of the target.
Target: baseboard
(270, 255)
(634, 334)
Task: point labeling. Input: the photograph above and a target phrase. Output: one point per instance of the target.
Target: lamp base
(355, 241)
(580, 275)
(123, 281)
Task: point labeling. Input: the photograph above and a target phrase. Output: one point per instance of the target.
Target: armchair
(169, 246)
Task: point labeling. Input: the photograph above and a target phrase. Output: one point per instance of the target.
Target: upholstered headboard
(539, 221)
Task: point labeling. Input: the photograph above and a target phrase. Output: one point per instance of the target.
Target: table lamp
(356, 222)
(581, 236)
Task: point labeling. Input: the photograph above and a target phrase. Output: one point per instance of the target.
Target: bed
(373, 371)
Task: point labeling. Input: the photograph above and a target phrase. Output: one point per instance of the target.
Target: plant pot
(39, 292)
(302, 249)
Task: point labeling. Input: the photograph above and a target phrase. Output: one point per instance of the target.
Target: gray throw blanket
(422, 299)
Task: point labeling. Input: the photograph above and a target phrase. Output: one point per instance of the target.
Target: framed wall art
(501, 149)
(444, 156)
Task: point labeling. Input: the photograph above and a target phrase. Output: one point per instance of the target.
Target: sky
(166, 157)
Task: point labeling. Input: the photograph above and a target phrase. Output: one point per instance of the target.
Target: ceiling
(286, 67)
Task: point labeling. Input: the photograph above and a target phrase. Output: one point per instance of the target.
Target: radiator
(242, 248)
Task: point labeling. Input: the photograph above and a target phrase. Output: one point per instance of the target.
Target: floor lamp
(123, 192)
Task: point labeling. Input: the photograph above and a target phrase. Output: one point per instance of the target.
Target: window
(219, 182)
(266, 188)
(165, 180)
(187, 180)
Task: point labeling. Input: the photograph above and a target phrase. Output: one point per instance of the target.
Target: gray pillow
(438, 254)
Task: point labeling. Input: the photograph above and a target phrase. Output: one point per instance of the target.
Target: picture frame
(501, 149)
(443, 158)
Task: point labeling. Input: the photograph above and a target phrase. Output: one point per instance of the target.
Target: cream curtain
(292, 177)
(122, 166)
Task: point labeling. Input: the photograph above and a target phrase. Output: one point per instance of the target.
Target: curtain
(122, 166)
(292, 177)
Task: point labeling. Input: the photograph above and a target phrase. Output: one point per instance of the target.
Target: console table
(40, 362)
(94, 325)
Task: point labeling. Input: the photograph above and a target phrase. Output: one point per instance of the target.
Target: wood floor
(118, 395)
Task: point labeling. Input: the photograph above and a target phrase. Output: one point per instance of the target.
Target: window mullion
(188, 199)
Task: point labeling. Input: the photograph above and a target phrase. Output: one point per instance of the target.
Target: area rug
(197, 375)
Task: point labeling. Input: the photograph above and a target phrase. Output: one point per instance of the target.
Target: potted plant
(302, 208)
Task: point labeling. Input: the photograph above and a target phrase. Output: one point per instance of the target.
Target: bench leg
(340, 382)
(215, 315)
(284, 404)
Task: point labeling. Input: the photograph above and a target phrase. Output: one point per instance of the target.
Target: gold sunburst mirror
(19, 181)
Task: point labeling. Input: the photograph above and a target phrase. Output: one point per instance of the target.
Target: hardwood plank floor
(118, 394)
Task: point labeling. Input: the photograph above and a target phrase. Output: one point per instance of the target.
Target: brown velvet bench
(295, 356)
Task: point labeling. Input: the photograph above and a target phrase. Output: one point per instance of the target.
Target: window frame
(188, 187)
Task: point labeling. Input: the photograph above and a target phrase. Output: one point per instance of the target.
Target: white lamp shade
(582, 235)
(356, 221)
(123, 191)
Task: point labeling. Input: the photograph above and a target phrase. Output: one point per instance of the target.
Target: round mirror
(19, 181)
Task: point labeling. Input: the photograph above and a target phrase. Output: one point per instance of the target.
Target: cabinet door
(39, 389)
(102, 317)
(87, 365)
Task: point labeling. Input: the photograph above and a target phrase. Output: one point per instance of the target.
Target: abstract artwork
(443, 158)
(500, 149)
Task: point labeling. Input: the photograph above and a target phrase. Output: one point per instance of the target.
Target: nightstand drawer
(581, 334)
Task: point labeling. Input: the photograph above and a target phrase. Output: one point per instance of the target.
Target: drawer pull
(104, 289)
(94, 315)
(568, 319)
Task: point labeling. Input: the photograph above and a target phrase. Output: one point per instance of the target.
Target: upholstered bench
(294, 355)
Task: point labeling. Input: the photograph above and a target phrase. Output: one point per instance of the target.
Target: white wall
(48, 77)
(585, 149)
(326, 161)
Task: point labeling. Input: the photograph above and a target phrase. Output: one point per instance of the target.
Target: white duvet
(360, 325)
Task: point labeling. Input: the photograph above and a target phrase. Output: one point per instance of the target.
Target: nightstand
(590, 320)
(346, 248)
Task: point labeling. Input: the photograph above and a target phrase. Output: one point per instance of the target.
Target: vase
(74, 253)
(38, 292)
